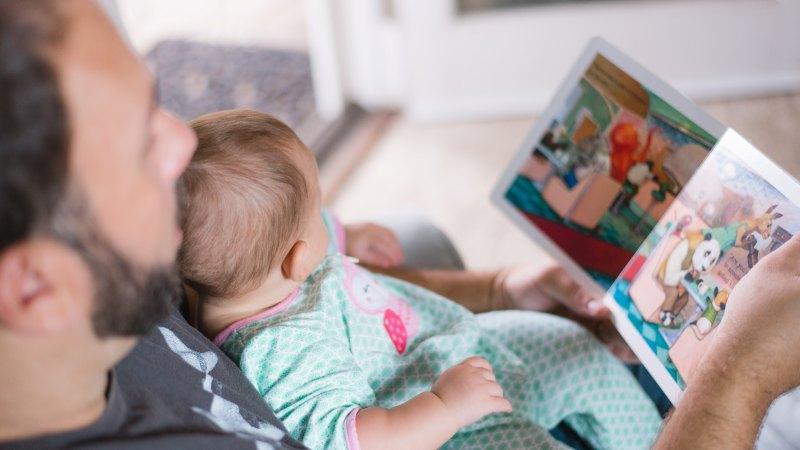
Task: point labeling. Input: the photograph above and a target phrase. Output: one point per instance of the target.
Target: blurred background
(419, 105)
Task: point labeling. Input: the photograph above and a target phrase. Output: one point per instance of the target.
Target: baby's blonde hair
(243, 201)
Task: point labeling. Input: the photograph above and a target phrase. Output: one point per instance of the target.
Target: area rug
(194, 78)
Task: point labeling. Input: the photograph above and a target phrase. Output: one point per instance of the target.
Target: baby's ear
(294, 266)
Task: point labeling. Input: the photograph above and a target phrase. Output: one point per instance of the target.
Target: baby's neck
(216, 313)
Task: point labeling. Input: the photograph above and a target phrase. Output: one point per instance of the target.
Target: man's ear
(294, 265)
(29, 302)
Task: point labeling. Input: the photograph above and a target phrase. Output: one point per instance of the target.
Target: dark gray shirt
(176, 390)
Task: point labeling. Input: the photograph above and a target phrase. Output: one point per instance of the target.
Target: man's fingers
(788, 254)
(582, 302)
(571, 294)
(793, 244)
(595, 308)
(789, 249)
(608, 335)
(623, 353)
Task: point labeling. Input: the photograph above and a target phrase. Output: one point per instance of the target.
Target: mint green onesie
(349, 339)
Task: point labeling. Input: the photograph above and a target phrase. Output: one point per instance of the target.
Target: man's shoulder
(178, 370)
(176, 390)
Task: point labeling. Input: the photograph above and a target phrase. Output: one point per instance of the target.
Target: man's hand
(373, 244)
(760, 330)
(470, 391)
(545, 289)
(753, 358)
(553, 290)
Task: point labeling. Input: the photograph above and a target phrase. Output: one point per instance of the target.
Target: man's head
(88, 164)
(250, 205)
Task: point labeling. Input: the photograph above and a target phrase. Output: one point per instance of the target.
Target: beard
(128, 300)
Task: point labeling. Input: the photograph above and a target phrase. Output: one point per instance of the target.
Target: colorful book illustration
(649, 202)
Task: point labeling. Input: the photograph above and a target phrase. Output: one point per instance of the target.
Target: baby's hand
(470, 391)
(373, 244)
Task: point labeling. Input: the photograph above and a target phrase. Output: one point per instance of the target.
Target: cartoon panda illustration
(697, 253)
(703, 325)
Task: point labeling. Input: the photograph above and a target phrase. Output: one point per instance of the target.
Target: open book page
(605, 162)
(736, 209)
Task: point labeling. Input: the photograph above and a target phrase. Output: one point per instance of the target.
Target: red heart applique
(396, 330)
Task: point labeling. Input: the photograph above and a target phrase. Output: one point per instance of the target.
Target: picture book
(604, 162)
(650, 203)
(736, 209)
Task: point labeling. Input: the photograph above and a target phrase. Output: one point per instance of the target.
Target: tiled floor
(447, 172)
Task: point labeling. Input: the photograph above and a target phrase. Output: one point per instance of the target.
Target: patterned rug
(195, 78)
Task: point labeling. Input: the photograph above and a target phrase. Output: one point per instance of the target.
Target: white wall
(369, 47)
(269, 23)
(439, 66)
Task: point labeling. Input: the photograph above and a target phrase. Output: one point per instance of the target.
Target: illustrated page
(736, 209)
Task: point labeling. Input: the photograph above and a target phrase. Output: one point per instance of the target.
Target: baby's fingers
(477, 361)
(387, 257)
(500, 404)
(390, 246)
(493, 389)
(377, 258)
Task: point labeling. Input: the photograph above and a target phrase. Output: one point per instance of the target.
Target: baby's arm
(463, 394)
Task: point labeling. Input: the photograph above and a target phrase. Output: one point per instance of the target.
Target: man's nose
(180, 145)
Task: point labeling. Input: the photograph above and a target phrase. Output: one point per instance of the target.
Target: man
(88, 164)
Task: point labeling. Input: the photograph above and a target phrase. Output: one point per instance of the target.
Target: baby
(352, 359)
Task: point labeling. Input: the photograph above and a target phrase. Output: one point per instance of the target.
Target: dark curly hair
(37, 197)
(34, 133)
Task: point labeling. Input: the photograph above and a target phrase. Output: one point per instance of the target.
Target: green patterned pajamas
(566, 375)
(348, 339)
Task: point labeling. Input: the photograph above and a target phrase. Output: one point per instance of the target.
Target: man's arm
(752, 359)
(723, 407)
(477, 291)
(547, 289)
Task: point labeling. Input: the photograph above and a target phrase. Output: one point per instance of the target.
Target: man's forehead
(93, 50)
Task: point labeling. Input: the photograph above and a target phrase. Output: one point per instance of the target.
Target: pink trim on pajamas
(350, 430)
(271, 311)
(340, 234)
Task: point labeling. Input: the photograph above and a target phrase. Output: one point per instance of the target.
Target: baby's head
(250, 204)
